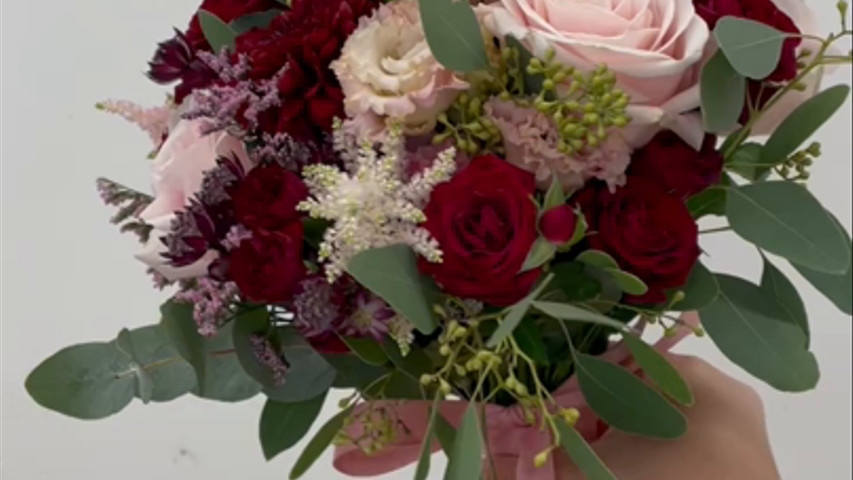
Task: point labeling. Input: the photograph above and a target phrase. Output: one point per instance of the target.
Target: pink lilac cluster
(268, 356)
(211, 301)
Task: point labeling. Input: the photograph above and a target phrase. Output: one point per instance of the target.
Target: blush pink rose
(176, 174)
(653, 46)
(387, 71)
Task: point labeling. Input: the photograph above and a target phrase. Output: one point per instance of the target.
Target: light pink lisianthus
(531, 139)
(387, 70)
(653, 46)
(176, 174)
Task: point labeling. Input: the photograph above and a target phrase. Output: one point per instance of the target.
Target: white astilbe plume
(369, 203)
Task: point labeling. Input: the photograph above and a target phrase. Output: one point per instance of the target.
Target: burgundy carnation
(485, 224)
(650, 234)
(267, 198)
(268, 266)
(676, 166)
(763, 11)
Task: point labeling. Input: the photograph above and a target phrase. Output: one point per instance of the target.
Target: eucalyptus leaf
(752, 48)
(369, 350)
(181, 330)
(541, 252)
(445, 433)
(453, 34)
(782, 217)
(574, 282)
(422, 470)
(224, 378)
(568, 312)
(802, 123)
(352, 371)
(777, 286)
(554, 197)
(837, 288)
(700, 290)
(170, 374)
(465, 459)
(746, 162)
(516, 314)
(88, 381)
(659, 370)
(598, 259)
(308, 374)
(319, 443)
(248, 325)
(749, 328)
(217, 33)
(582, 454)
(712, 201)
(284, 424)
(722, 91)
(249, 21)
(392, 274)
(415, 364)
(628, 282)
(624, 402)
(144, 383)
(529, 340)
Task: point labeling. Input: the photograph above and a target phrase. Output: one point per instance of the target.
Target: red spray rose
(267, 266)
(485, 224)
(650, 233)
(558, 224)
(267, 198)
(676, 167)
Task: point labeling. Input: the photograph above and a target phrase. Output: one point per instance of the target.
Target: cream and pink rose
(387, 71)
(177, 173)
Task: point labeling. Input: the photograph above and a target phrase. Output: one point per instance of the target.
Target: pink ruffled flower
(387, 71)
(530, 140)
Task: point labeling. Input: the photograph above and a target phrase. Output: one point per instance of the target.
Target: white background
(68, 276)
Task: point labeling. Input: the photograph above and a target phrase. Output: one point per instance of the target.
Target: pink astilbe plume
(154, 121)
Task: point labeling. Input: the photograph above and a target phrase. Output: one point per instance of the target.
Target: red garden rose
(764, 11)
(485, 223)
(267, 198)
(676, 166)
(267, 266)
(650, 233)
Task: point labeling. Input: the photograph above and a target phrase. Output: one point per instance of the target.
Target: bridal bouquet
(472, 217)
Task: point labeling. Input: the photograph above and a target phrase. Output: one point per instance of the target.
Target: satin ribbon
(513, 442)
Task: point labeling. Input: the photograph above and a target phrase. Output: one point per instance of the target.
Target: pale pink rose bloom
(653, 46)
(531, 139)
(176, 174)
(387, 70)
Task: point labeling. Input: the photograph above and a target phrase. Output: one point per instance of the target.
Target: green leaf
(392, 274)
(284, 424)
(598, 259)
(723, 91)
(352, 371)
(533, 83)
(624, 402)
(574, 282)
(415, 364)
(170, 374)
(582, 454)
(224, 379)
(247, 324)
(700, 290)
(88, 381)
(249, 21)
(445, 433)
(453, 34)
(710, 202)
(568, 312)
(321, 441)
(314, 229)
(422, 470)
(802, 123)
(516, 314)
(746, 162)
(752, 48)
(749, 328)
(628, 282)
(659, 370)
(181, 330)
(541, 252)
(217, 33)
(308, 374)
(144, 383)
(554, 197)
(367, 349)
(784, 218)
(777, 286)
(837, 288)
(529, 340)
(465, 459)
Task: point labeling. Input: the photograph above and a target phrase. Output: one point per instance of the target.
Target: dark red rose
(676, 166)
(268, 266)
(650, 233)
(558, 224)
(764, 11)
(266, 199)
(485, 223)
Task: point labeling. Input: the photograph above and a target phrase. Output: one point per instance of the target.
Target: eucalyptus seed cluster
(378, 429)
(466, 123)
(797, 166)
(464, 357)
(583, 106)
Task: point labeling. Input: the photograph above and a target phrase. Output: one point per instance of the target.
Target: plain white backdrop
(68, 276)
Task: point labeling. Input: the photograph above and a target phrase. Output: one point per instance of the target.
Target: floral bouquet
(468, 215)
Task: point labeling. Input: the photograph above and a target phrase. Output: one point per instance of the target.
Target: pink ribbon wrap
(513, 443)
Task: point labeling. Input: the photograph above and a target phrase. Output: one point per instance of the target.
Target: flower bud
(541, 458)
(558, 224)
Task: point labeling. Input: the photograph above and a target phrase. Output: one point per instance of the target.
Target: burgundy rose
(676, 166)
(268, 266)
(558, 224)
(764, 11)
(267, 198)
(485, 223)
(650, 234)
